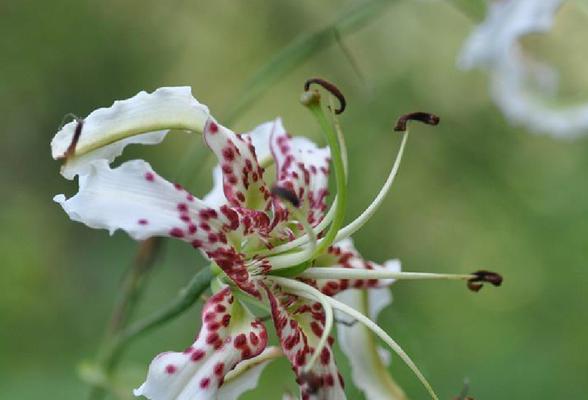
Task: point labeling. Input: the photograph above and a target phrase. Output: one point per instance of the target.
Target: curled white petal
(109, 129)
(131, 197)
(522, 87)
(229, 335)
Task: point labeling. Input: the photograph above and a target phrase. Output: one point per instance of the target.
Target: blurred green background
(472, 193)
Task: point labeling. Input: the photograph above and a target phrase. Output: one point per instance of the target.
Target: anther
(331, 88)
(286, 194)
(71, 149)
(480, 277)
(425, 118)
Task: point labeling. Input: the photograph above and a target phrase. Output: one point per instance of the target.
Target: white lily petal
(368, 360)
(229, 335)
(246, 374)
(132, 197)
(521, 86)
(107, 128)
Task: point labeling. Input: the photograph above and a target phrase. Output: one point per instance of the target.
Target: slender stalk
(351, 273)
(340, 177)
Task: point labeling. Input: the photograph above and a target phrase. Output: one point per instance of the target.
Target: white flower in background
(522, 87)
(272, 245)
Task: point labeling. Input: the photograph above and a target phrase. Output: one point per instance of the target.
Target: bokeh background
(473, 193)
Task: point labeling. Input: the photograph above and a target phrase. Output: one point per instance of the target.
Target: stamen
(425, 118)
(286, 194)
(353, 273)
(331, 88)
(338, 166)
(71, 149)
(480, 277)
(336, 304)
(322, 225)
(303, 290)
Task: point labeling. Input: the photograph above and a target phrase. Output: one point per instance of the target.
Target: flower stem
(112, 351)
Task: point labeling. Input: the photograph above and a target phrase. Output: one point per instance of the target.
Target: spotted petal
(303, 168)
(368, 361)
(260, 138)
(229, 335)
(243, 183)
(132, 197)
(344, 255)
(299, 325)
(144, 118)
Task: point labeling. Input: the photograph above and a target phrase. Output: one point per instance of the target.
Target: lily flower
(522, 86)
(274, 244)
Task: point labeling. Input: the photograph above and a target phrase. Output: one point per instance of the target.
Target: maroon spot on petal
(182, 207)
(176, 232)
(170, 369)
(149, 176)
(196, 243)
(253, 338)
(316, 328)
(219, 368)
(325, 356)
(329, 381)
(240, 340)
(197, 355)
(213, 127)
(142, 221)
(204, 383)
(212, 338)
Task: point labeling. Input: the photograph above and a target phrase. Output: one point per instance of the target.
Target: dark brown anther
(425, 118)
(71, 149)
(286, 194)
(331, 88)
(483, 276)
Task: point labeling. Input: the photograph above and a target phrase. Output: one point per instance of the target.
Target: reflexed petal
(246, 374)
(303, 168)
(229, 335)
(368, 360)
(243, 182)
(109, 130)
(132, 197)
(299, 327)
(260, 138)
(522, 87)
(343, 254)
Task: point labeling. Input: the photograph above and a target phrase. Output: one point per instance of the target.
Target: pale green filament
(340, 177)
